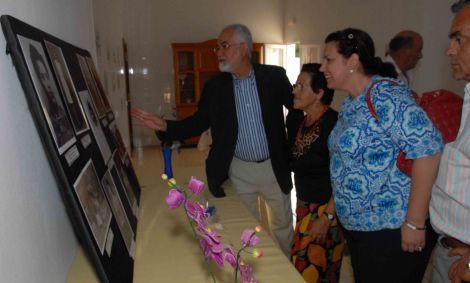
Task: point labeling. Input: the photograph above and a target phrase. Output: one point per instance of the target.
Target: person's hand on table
(148, 120)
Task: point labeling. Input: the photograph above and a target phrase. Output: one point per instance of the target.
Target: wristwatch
(330, 216)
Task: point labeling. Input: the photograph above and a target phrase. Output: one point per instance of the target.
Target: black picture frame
(80, 147)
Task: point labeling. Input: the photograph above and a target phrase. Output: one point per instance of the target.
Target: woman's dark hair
(318, 82)
(352, 41)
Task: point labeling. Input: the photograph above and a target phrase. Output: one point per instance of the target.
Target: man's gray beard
(224, 67)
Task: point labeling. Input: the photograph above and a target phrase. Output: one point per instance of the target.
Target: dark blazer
(216, 110)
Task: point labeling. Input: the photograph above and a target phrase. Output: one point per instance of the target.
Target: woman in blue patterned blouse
(383, 210)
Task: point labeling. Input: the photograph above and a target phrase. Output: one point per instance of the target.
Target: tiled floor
(192, 159)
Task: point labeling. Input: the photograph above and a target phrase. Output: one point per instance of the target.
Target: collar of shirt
(465, 120)
(251, 76)
(404, 76)
(467, 89)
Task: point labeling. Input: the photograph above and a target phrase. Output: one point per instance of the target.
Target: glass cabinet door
(185, 93)
(186, 86)
(185, 61)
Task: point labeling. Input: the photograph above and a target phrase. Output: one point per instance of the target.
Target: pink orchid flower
(249, 238)
(246, 273)
(174, 198)
(230, 256)
(195, 210)
(195, 185)
(213, 251)
(211, 237)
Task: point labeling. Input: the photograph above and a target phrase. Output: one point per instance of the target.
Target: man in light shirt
(450, 201)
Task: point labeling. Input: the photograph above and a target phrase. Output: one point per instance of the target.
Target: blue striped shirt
(252, 144)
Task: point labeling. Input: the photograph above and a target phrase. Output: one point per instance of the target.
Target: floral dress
(317, 262)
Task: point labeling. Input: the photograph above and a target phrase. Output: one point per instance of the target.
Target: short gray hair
(457, 6)
(243, 34)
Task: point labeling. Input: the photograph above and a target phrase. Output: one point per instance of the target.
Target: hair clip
(350, 36)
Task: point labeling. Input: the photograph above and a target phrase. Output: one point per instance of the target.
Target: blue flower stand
(167, 162)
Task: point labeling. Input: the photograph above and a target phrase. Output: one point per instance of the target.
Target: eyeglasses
(224, 46)
(299, 86)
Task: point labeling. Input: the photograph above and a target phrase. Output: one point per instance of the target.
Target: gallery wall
(37, 241)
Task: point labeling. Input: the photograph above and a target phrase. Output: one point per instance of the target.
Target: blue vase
(167, 162)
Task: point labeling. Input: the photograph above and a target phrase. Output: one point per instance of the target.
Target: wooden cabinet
(195, 64)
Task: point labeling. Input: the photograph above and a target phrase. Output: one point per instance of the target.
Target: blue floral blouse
(370, 192)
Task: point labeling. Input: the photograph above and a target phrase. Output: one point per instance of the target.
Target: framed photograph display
(122, 180)
(121, 148)
(119, 211)
(72, 102)
(94, 204)
(47, 93)
(99, 85)
(95, 125)
(92, 86)
(72, 116)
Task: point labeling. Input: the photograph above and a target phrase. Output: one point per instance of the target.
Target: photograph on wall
(92, 87)
(94, 122)
(48, 94)
(117, 207)
(99, 85)
(127, 182)
(122, 181)
(93, 203)
(121, 148)
(69, 92)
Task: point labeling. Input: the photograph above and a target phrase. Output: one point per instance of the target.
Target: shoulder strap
(368, 99)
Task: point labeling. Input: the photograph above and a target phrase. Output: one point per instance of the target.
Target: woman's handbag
(444, 109)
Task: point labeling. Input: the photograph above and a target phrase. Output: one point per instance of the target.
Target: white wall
(110, 23)
(310, 21)
(37, 243)
(154, 25)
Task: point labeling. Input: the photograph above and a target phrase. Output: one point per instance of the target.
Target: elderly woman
(384, 211)
(318, 241)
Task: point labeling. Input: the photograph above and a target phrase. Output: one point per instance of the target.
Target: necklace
(306, 135)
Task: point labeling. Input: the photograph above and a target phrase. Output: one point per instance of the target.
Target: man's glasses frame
(225, 45)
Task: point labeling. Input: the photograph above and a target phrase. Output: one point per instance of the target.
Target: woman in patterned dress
(318, 241)
(383, 211)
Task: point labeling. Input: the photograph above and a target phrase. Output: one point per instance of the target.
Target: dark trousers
(377, 257)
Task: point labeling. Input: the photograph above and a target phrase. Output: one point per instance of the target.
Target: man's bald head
(405, 49)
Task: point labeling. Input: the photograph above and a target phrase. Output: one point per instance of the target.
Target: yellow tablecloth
(167, 251)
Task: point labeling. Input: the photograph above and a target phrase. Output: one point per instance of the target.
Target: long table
(166, 249)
